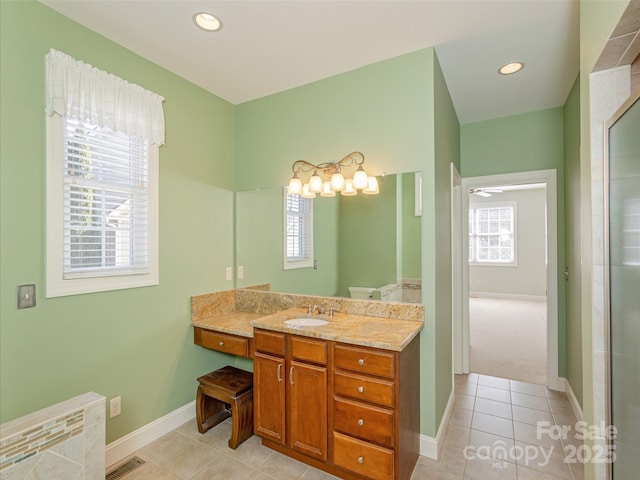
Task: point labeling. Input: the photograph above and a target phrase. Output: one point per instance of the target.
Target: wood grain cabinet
(349, 410)
(290, 392)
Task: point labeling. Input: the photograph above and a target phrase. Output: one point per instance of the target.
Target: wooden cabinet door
(307, 396)
(269, 397)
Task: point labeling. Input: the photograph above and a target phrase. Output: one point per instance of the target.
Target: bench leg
(242, 419)
(209, 411)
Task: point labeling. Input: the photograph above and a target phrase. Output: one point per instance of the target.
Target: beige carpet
(508, 339)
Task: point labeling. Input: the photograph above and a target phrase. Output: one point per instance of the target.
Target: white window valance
(77, 89)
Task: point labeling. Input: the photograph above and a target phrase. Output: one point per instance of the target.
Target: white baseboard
(123, 447)
(429, 446)
(508, 296)
(575, 406)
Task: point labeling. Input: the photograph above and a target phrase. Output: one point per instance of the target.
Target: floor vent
(122, 470)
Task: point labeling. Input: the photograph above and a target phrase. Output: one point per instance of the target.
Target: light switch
(26, 296)
(228, 274)
(240, 272)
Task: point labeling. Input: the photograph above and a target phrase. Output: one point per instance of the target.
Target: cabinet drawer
(364, 360)
(363, 421)
(363, 388)
(269, 342)
(362, 458)
(308, 350)
(223, 342)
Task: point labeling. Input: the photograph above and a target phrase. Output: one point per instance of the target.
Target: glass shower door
(624, 286)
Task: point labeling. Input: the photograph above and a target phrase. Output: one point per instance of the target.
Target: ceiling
(270, 46)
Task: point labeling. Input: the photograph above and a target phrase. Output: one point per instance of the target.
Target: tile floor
(492, 434)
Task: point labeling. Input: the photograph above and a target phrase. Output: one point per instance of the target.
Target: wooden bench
(224, 393)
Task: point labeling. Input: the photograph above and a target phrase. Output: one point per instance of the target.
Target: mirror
(364, 241)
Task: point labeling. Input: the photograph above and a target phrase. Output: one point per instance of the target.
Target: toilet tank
(389, 293)
(361, 292)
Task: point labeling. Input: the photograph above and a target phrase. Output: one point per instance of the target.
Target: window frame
(472, 236)
(56, 284)
(303, 262)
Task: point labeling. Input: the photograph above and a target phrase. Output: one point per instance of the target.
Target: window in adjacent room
(298, 231)
(103, 136)
(492, 234)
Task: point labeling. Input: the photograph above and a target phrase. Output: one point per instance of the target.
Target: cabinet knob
(360, 389)
(360, 459)
(360, 422)
(361, 361)
(221, 343)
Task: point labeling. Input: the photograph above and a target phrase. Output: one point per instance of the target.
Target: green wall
(135, 343)
(573, 238)
(447, 152)
(520, 143)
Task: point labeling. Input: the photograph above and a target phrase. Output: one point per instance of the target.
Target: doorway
(481, 247)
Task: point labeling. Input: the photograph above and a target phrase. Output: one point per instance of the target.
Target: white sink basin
(305, 322)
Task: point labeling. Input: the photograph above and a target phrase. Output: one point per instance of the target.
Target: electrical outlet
(26, 296)
(240, 272)
(115, 406)
(228, 274)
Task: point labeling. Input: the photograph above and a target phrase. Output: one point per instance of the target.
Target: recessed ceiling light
(510, 68)
(207, 21)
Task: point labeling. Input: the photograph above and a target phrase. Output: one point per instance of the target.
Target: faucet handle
(309, 308)
(332, 311)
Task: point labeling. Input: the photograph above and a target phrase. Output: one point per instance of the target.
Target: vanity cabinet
(350, 410)
(290, 392)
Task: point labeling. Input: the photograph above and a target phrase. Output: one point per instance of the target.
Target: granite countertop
(385, 333)
(237, 323)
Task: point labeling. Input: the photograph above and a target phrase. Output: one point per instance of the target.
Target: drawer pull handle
(278, 372)
(360, 422)
(360, 389)
(221, 344)
(361, 361)
(360, 459)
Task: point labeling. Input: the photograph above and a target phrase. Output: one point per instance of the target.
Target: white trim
(430, 447)
(575, 406)
(456, 264)
(549, 177)
(123, 447)
(508, 296)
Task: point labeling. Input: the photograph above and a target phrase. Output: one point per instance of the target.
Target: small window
(492, 235)
(298, 231)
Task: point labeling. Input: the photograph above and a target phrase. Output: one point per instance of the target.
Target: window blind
(298, 228)
(106, 224)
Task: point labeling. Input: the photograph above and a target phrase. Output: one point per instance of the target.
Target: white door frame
(456, 265)
(461, 340)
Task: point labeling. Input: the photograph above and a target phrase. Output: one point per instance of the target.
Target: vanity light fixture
(510, 68)
(207, 21)
(327, 178)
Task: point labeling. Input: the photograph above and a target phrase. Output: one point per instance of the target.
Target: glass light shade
(315, 183)
(372, 186)
(295, 185)
(360, 178)
(326, 190)
(306, 193)
(348, 190)
(337, 181)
